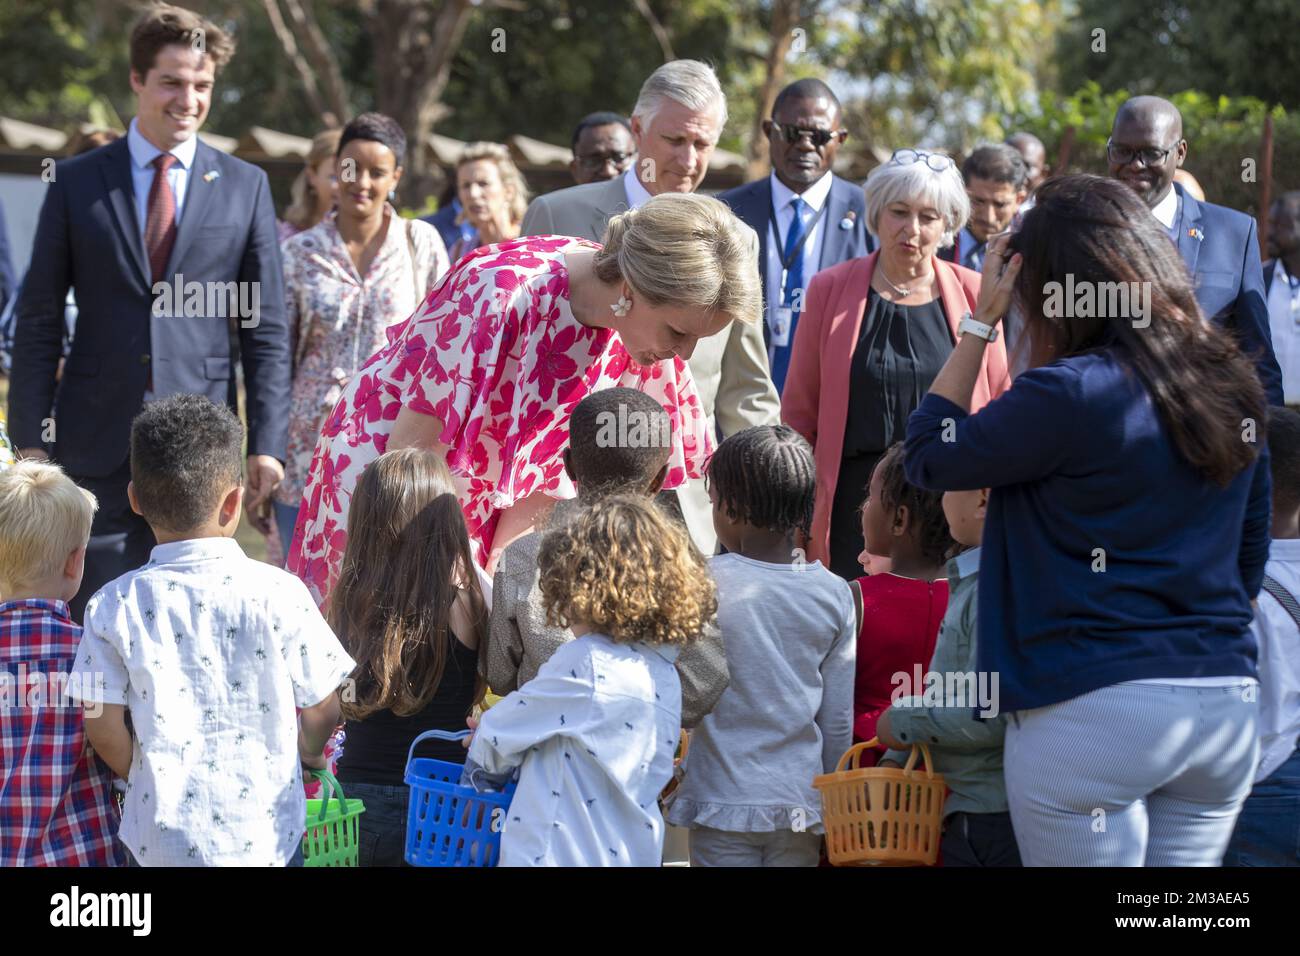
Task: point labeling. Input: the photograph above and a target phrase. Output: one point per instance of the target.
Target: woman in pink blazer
(872, 336)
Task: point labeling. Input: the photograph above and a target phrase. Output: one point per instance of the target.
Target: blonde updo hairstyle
(685, 250)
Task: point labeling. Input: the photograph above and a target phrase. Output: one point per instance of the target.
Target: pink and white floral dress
(496, 355)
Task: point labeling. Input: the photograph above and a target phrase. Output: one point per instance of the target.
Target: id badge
(782, 319)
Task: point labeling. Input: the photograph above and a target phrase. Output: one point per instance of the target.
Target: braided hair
(924, 508)
(765, 477)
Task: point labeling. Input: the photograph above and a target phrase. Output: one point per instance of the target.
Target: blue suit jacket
(444, 220)
(1221, 249)
(752, 203)
(88, 238)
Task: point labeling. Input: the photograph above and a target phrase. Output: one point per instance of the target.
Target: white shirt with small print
(211, 652)
(594, 734)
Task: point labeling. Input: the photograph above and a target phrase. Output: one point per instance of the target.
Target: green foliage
(943, 71)
(1237, 48)
(1221, 132)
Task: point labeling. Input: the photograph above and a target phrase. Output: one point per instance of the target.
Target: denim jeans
(381, 830)
(1268, 829)
(1131, 775)
(979, 839)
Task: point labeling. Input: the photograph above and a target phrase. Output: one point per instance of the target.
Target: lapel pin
(1196, 234)
(847, 222)
(211, 175)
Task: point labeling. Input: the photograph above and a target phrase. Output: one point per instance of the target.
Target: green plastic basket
(331, 837)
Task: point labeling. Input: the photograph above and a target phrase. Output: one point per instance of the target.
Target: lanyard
(789, 260)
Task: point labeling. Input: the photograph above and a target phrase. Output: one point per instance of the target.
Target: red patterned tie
(160, 226)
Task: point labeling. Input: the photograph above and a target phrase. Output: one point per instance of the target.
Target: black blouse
(898, 355)
(899, 352)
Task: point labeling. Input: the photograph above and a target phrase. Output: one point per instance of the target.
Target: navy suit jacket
(752, 204)
(1221, 249)
(444, 220)
(88, 238)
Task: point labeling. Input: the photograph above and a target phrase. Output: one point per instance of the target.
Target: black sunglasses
(819, 137)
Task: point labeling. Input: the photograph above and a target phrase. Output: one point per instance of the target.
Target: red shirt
(900, 624)
(55, 800)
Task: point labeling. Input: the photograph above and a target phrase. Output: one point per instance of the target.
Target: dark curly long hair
(1098, 231)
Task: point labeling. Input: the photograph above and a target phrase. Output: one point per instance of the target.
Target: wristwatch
(968, 324)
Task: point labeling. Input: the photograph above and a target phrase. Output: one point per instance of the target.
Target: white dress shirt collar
(1167, 208)
(144, 152)
(637, 194)
(815, 195)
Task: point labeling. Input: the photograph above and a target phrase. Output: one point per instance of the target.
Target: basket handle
(435, 735)
(854, 752)
(328, 779)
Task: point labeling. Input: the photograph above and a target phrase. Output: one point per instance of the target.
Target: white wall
(21, 197)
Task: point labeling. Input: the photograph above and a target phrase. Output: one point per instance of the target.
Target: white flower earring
(622, 306)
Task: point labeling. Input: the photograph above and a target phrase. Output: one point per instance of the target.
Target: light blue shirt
(143, 153)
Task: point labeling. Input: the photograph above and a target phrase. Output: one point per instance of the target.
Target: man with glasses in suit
(603, 148)
(1219, 245)
(806, 217)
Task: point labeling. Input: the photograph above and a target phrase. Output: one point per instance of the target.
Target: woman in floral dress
(347, 279)
(488, 370)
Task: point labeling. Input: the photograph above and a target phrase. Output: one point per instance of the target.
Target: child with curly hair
(594, 733)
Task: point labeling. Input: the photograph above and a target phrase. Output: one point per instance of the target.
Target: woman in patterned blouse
(347, 280)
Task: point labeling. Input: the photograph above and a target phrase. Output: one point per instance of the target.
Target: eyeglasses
(936, 161)
(596, 161)
(1150, 156)
(819, 137)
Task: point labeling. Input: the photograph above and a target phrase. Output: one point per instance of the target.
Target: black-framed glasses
(596, 161)
(936, 161)
(819, 137)
(1150, 156)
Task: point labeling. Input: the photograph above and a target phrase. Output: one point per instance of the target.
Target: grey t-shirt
(787, 715)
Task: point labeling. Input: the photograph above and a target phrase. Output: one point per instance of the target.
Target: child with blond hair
(55, 801)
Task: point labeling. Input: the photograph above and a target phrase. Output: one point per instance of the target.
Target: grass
(249, 539)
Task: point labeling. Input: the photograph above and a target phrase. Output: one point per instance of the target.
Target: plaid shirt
(55, 803)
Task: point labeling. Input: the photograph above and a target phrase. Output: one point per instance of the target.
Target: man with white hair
(676, 123)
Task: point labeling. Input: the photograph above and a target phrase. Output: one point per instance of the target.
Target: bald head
(1146, 146)
(1032, 151)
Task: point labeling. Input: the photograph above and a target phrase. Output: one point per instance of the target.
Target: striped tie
(160, 225)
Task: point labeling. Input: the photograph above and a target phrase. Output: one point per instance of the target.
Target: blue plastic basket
(448, 824)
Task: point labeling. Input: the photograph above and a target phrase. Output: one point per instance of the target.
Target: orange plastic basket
(881, 816)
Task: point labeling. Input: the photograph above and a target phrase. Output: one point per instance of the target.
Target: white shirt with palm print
(211, 652)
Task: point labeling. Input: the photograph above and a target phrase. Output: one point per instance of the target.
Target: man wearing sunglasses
(1219, 245)
(803, 137)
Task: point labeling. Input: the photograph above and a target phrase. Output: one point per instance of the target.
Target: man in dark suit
(996, 182)
(171, 248)
(806, 217)
(1219, 245)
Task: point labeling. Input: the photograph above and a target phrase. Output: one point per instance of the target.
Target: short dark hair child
(186, 452)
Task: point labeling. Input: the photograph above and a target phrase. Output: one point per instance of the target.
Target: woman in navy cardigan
(1126, 536)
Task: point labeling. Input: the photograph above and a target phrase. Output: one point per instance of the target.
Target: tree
(1244, 48)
